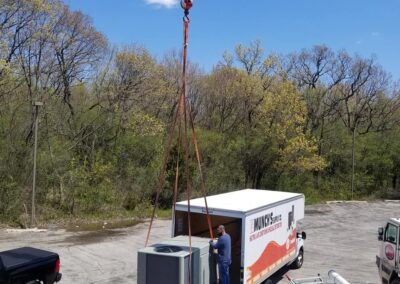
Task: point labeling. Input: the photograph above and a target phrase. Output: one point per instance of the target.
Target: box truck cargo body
(262, 225)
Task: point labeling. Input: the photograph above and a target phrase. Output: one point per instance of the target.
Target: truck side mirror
(302, 235)
(380, 233)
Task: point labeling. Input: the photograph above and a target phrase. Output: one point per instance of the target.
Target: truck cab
(388, 260)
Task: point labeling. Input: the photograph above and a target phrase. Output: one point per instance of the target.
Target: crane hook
(186, 4)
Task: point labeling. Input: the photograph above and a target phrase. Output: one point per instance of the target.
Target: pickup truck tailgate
(25, 256)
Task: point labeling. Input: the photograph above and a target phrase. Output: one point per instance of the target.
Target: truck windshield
(391, 234)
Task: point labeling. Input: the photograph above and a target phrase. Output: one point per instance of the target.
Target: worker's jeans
(224, 272)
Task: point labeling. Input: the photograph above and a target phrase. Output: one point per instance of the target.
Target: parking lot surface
(340, 236)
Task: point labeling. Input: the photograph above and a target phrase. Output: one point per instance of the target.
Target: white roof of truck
(241, 201)
(395, 220)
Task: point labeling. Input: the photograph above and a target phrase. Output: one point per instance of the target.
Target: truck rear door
(389, 253)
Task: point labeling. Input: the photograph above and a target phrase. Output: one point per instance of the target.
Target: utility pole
(353, 146)
(353, 162)
(36, 105)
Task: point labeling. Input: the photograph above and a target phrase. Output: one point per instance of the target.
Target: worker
(223, 245)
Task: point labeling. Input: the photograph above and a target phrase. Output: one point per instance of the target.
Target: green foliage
(220, 157)
(270, 122)
(88, 190)
(283, 118)
(9, 197)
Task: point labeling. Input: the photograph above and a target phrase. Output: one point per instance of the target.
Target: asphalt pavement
(340, 236)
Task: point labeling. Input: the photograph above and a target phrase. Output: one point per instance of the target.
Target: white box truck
(262, 225)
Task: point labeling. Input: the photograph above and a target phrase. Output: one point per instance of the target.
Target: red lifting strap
(183, 117)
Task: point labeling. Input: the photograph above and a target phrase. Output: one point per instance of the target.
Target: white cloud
(374, 34)
(163, 3)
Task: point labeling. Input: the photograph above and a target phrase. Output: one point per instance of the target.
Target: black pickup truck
(29, 266)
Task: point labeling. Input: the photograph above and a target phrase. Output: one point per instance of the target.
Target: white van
(262, 225)
(388, 260)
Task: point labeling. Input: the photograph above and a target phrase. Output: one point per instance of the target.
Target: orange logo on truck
(271, 256)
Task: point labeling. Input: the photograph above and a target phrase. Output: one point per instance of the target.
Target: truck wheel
(299, 260)
(395, 281)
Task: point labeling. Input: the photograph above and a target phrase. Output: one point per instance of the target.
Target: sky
(364, 27)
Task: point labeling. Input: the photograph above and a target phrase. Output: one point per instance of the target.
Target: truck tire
(395, 281)
(299, 260)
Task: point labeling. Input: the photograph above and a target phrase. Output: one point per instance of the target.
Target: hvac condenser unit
(168, 262)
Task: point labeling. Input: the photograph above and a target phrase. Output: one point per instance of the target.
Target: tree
(277, 144)
(282, 118)
(251, 57)
(356, 99)
(230, 97)
(78, 46)
(316, 72)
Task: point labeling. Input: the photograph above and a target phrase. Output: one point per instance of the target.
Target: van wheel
(300, 259)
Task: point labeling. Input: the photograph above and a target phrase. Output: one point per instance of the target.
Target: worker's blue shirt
(223, 246)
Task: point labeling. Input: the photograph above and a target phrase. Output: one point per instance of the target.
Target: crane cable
(181, 114)
(186, 5)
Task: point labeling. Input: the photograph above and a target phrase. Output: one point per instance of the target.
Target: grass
(47, 216)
